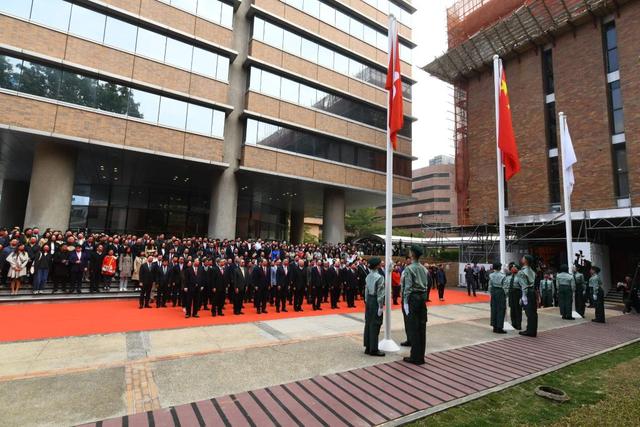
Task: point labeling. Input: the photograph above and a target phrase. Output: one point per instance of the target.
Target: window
(151, 44)
(204, 62)
(290, 91)
(40, 80)
(9, 72)
(270, 84)
(621, 171)
(611, 46)
(179, 54)
(292, 43)
(325, 57)
(547, 71)
(173, 113)
(554, 180)
(309, 50)
(210, 10)
(552, 137)
(77, 89)
(273, 35)
(217, 128)
(87, 23)
(20, 8)
(617, 114)
(52, 13)
(199, 119)
(144, 105)
(188, 5)
(113, 98)
(120, 34)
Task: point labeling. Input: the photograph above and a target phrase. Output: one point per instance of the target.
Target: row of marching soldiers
(516, 286)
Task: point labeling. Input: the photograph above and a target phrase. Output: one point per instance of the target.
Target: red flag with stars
(506, 137)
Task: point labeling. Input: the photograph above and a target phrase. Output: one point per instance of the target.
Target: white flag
(569, 159)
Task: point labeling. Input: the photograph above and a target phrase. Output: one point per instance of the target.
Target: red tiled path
(378, 394)
(64, 319)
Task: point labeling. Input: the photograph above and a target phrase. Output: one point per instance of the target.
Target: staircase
(26, 294)
(613, 297)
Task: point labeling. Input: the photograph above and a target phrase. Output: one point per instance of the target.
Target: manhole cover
(551, 393)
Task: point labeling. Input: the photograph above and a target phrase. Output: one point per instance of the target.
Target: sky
(432, 99)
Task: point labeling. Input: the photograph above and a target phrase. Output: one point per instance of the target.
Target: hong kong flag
(506, 138)
(394, 85)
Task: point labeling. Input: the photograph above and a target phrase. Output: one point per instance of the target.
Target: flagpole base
(575, 315)
(507, 327)
(389, 346)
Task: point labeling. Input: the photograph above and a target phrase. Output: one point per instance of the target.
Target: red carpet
(62, 319)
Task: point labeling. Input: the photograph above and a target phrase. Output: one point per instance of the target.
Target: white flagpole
(497, 79)
(567, 203)
(387, 344)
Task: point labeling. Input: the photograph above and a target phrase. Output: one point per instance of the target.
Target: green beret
(417, 250)
(374, 262)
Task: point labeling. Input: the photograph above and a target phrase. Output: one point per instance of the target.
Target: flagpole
(562, 120)
(501, 228)
(387, 344)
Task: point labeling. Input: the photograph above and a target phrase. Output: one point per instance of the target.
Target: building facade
(435, 203)
(576, 57)
(225, 118)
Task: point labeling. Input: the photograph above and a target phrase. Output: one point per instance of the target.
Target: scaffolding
(479, 29)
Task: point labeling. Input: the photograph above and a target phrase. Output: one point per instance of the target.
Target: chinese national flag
(394, 86)
(506, 138)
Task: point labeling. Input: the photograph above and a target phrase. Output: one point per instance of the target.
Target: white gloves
(379, 312)
(406, 308)
(524, 300)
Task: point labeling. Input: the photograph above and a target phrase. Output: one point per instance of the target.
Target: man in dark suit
(194, 287)
(333, 279)
(178, 281)
(317, 281)
(206, 296)
(351, 284)
(78, 261)
(164, 279)
(227, 278)
(327, 281)
(261, 277)
(298, 280)
(239, 285)
(218, 287)
(148, 276)
(282, 285)
(95, 269)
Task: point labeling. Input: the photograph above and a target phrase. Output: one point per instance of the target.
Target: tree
(364, 221)
(308, 237)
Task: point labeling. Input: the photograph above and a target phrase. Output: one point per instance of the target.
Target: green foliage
(365, 221)
(308, 237)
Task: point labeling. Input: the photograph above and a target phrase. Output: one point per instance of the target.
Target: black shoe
(414, 362)
(367, 352)
(377, 353)
(141, 307)
(284, 310)
(526, 334)
(405, 344)
(195, 315)
(499, 331)
(264, 311)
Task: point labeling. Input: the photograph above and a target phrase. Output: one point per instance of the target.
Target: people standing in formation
(498, 291)
(415, 280)
(374, 295)
(566, 287)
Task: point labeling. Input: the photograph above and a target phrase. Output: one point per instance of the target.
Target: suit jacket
(73, 261)
(351, 279)
(95, 262)
(164, 279)
(216, 277)
(179, 276)
(148, 273)
(240, 278)
(298, 277)
(195, 278)
(259, 278)
(282, 278)
(317, 277)
(332, 277)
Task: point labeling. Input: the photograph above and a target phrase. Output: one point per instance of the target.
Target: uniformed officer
(415, 280)
(580, 290)
(374, 301)
(595, 283)
(546, 290)
(498, 298)
(512, 283)
(527, 277)
(566, 288)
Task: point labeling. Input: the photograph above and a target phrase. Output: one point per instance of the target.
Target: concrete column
(13, 202)
(51, 187)
(224, 191)
(333, 216)
(296, 234)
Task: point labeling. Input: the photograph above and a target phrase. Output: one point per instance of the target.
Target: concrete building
(434, 191)
(226, 118)
(575, 56)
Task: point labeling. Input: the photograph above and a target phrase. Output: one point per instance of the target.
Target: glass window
(312, 7)
(226, 18)
(341, 63)
(255, 79)
(618, 121)
(290, 90)
(87, 23)
(189, 5)
(342, 21)
(356, 29)
(616, 95)
(52, 13)
(270, 84)
(295, 3)
(114, 98)
(120, 34)
(144, 105)
(210, 9)
(199, 119)
(173, 113)
(309, 50)
(40, 80)
(20, 8)
(223, 68)
(370, 35)
(327, 14)
(273, 35)
(325, 57)
(9, 72)
(308, 96)
(204, 62)
(251, 134)
(217, 129)
(621, 171)
(151, 44)
(77, 89)
(258, 29)
(292, 43)
(178, 54)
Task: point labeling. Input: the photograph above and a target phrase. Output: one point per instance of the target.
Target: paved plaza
(76, 380)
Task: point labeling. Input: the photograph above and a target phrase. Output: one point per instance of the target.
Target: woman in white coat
(17, 260)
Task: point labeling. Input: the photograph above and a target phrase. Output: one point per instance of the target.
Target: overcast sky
(432, 99)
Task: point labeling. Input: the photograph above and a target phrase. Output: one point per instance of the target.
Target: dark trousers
(441, 290)
(325, 293)
(191, 302)
(471, 287)
(531, 310)
(580, 303)
(260, 299)
(599, 303)
(395, 294)
(281, 298)
(316, 297)
(406, 324)
(498, 308)
(417, 325)
(217, 297)
(372, 324)
(565, 301)
(547, 298)
(335, 296)
(298, 297)
(162, 296)
(351, 296)
(145, 294)
(76, 281)
(94, 281)
(515, 310)
(237, 301)
(590, 296)
(60, 282)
